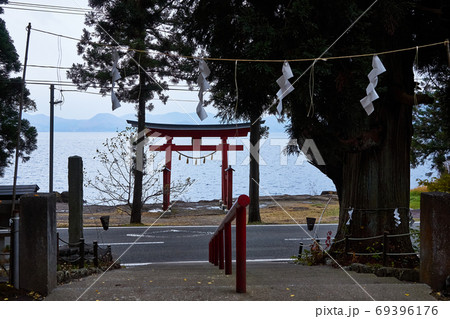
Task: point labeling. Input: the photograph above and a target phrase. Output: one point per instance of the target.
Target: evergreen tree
(139, 31)
(240, 91)
(367, 157)
(431, 139)
(10, 91)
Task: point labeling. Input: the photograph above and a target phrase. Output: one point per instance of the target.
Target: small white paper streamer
(411, 219)
(204, 85)
(114, 100)
(350, 213)
(285, 86)
(115, 76)
(377, 69)
(397, 217)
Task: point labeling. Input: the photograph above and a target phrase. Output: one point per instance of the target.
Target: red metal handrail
(217, 254)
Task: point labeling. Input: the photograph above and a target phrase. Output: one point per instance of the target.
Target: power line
(71, 84)
(97, 93)
(57, 35)
(45, 8)
(38, 5)
(40, 10)
(320, 58)
(68, 68)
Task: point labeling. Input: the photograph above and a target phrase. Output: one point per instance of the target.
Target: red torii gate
(196, 132)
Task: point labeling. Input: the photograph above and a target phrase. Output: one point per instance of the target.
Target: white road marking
(133, 243)
(179, 233)
(198, 262)
(303, 238)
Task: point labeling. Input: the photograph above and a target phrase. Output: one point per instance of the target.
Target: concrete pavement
(270, 281)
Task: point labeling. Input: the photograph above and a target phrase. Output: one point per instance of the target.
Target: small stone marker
(434, 239)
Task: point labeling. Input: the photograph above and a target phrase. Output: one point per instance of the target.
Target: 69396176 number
(406, 310)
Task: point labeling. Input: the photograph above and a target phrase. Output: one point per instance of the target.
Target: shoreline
(278, 209)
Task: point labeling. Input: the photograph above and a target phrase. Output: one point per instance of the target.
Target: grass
(414, 201)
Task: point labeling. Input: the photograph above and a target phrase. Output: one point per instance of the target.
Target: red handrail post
(220, 237)
(210, 251)
(216, 251)
(241, 251)
(228, 265)
(238, 212)
(213, 250)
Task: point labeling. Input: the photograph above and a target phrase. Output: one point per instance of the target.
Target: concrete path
(270, 281)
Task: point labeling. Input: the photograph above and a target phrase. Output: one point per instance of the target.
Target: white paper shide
(203, 85)
(115, 76)
(284, 84)
(377, 69)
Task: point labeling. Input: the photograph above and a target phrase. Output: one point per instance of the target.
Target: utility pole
(52, 130)
(19, 125)
(52, 121)
(14, 258)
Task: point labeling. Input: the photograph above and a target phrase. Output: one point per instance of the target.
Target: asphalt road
(163, 244)
(144, 245)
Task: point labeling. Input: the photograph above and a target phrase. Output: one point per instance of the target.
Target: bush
(441, 184)
(414, 196)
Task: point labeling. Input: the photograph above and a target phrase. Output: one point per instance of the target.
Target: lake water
(279, 174)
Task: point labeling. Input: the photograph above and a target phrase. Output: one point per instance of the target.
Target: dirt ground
(284, 209)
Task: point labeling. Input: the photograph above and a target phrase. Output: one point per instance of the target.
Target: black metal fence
(5, 251)
(81, 253)
(385, 246)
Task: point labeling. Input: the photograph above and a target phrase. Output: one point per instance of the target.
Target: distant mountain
(174, 118)
(192, 118)
(105, 122)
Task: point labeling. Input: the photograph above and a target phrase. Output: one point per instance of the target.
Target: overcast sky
(49, 50)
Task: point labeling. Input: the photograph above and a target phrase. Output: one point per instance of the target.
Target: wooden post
(166, 175)
(75, 199)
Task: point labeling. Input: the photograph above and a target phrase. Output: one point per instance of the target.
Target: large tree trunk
(376, 180)
(255, 135)
(139, 164)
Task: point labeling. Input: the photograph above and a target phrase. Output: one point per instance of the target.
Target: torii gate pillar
(224, 149)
